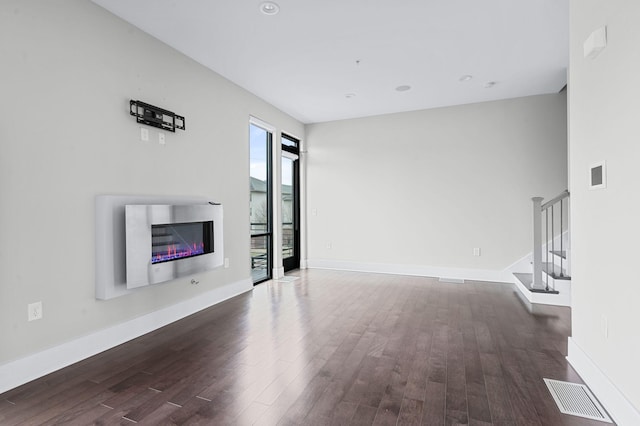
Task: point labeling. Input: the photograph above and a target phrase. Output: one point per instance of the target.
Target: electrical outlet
(161, 138)
(329, 245)
(144, 134)
(34, 311)
(476, 251)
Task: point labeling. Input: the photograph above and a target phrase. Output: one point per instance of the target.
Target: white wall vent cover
(577, 400)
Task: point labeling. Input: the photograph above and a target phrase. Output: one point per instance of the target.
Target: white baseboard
(31, 367)
(413, 270)
(620, 409)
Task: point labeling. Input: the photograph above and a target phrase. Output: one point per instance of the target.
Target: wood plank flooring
(331, 348)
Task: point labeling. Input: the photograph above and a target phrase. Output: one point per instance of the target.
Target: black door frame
(293, 262)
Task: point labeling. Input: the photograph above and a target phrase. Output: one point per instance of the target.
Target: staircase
(547, 278)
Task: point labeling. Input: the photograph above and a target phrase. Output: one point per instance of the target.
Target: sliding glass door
(260, 144)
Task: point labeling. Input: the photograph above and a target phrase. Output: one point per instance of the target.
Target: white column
(537, 243)
(303, 204)
(276, 163)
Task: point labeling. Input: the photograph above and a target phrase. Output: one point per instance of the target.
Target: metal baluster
(537, 243)
(561, 237)
(546, 248)
(553, 243)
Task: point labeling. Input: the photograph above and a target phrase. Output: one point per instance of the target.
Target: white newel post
(537, 243)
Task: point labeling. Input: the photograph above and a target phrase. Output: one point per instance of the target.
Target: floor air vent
(577, 400)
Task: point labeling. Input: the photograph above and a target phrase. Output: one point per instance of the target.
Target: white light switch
(476, 251)
(161, 138)
(144, 134)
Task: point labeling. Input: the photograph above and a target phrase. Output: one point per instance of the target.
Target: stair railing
(556, 225)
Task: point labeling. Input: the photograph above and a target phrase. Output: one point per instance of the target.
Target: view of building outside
(259, 151)
(259, 209)
(287, 208)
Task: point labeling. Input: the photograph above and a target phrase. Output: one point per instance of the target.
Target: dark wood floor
(329, 348)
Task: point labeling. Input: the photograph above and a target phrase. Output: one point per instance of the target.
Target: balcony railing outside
(259, 261)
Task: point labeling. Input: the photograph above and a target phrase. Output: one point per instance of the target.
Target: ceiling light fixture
(269, 8)
(465, 78)
(489, 84)
(403, 88)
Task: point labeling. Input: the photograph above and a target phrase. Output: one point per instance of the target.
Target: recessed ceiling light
(403, 88)
(489, 84)
(465, 77)
(350, 95)
(269, 8)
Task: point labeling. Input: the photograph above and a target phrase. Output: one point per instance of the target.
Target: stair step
(546, 267)
(560, 253)
(527, 279)
(542, 290)
(560, 296)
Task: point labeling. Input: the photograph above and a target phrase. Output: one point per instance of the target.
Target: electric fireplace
(164, 242)
(174, 241)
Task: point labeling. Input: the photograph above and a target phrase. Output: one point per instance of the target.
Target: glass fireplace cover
(179, 240)
(164, 242)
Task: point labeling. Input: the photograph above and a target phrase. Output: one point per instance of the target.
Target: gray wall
(424, 188)
(604, 103)
(68, 70)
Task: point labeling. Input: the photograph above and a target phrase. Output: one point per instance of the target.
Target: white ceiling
(305, 59)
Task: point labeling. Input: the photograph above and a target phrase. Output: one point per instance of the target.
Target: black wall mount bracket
(156, 117)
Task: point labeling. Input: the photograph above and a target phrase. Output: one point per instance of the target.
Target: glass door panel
(260, 203)
(288, 248)
(260, 258)
(290, 204)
